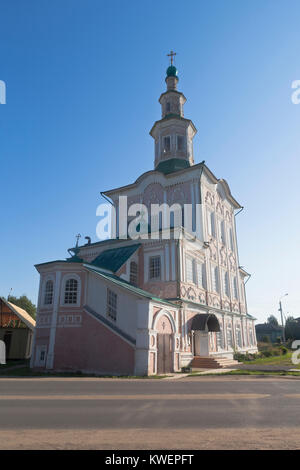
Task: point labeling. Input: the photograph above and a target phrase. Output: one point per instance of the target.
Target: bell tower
(173, 134)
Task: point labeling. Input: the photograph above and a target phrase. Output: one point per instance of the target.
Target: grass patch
(284, 360)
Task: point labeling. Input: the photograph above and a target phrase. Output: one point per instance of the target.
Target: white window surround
(65, 278)
(50, 277)
(238, 335)
(229, 336)
(231, 238)
(222, 231)
(220, 336)
(215, 282)
(211, 223)
(226, 285)
(235, 288)
(189, 270)
(151, 254)
(201, 274)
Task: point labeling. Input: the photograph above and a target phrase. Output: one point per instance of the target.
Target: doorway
(7, 340)
(164, 353)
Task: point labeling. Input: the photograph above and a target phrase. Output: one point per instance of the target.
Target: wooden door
(164, 353)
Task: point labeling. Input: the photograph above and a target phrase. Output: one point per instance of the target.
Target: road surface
(188, 413)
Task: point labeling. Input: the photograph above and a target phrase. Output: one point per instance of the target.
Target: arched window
(71, 291)
(48, 299)
(133, 273)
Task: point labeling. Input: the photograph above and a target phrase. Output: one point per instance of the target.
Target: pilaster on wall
(50, 355)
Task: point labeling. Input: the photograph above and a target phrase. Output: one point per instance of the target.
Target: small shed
(16, 330)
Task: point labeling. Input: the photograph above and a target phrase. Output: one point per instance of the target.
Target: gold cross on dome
(171, 55)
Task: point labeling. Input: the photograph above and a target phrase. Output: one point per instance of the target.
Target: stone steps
(210, 362)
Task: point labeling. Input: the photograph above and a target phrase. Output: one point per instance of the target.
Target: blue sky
(83, 78)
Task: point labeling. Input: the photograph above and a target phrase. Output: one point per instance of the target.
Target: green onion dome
(172, 71)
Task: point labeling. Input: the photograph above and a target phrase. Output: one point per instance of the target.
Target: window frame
(112, 305)
(45, 293)
(180, 136)
(131, 274)
(215, 281)
(165, 150)
(66, 278)
(154, 278)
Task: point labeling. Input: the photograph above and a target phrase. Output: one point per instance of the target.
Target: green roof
(114, 258)
(122, 283)
(172, 165)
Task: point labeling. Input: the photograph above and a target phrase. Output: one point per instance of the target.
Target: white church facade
(148, 306)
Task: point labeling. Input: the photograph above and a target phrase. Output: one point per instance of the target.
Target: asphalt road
(190, 413)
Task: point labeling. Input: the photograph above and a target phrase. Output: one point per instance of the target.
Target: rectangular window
(167, 144)
(189, 270)
(211, 223)
(215, 279)
(229, 336)
(235, 289)
(201, 275)
(222, 231)
(226, 284)
(168, 107)
(220, 339)
(154, 267)
(238, 336)
(180, 142)
(231, 244)
(111, 305)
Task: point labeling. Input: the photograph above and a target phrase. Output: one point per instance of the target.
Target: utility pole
(281, 314)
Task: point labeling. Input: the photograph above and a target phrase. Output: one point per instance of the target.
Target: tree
(23, 302)
(292, 328)
(272, 320)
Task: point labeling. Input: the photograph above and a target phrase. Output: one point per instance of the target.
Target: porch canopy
(201, 320)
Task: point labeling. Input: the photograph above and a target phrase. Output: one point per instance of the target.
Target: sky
(83, 78)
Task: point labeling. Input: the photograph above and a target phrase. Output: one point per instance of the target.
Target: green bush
(283, 349)
(267, 353)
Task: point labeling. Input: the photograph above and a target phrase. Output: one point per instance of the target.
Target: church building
(152, 305)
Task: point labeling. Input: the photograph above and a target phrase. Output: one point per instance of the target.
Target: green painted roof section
(114, 258)
(251, 316)
(172, 165)
(122, 283)
(74, 259)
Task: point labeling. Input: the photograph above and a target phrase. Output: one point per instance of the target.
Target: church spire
(173, 134)
(172, 73)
